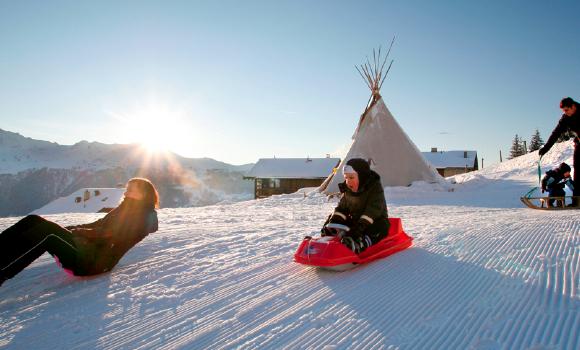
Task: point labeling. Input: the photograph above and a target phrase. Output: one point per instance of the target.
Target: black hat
(361, 167)
(564, 168)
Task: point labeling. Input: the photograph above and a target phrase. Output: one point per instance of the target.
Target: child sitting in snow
(555, 180)
(362, 207)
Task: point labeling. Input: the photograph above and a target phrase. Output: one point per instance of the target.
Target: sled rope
(540, 172)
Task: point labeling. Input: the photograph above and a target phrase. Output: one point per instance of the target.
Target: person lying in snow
(555, 180)
(87, 249)
(362, 207)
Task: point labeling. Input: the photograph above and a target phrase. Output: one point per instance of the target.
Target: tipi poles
(373, 73)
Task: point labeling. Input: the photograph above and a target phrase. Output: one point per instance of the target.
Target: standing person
(362, 207)
(554, 182)
(570, 121)
(87, 249)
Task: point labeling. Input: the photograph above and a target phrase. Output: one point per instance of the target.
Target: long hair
(150, 195)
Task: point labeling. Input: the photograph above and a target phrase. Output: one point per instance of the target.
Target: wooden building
(287, 175)
(449, 163)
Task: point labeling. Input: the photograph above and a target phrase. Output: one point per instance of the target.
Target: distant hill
(35, 172)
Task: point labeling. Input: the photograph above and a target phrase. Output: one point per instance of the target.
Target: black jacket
(101, 244)
(566, 123)
(367, 204)
(554, 179)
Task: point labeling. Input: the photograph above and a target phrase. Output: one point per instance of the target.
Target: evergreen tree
(517, 148)
(536, 142)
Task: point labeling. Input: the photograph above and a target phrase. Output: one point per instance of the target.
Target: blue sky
(242, 80)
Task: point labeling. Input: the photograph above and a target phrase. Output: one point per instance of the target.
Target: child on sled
(554, 182)
(362, 207)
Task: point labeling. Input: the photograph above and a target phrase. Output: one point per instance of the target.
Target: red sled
(327, 252)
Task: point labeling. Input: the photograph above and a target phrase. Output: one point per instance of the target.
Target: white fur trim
(348, 170)
(368, 218)
(339, 214)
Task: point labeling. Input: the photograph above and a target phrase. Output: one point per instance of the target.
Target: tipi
(380, 140)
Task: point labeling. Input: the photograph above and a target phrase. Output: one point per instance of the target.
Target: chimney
(433, 149)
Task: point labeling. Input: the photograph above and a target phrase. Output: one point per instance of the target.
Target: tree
(536, 142)
(518, 148)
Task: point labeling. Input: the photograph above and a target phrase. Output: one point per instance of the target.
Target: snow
(484, 273)
(290, 168)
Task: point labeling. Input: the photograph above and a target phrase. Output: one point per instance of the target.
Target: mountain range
(35, 172)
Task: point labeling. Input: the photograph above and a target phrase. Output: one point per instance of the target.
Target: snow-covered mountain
(484, 272)
(19, 153)
(35, 172)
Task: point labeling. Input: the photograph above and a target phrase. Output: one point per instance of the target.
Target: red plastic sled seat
(328, 252)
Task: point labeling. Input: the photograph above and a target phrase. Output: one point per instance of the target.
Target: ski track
(222, 277)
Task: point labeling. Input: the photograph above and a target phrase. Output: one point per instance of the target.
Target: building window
(267, 183)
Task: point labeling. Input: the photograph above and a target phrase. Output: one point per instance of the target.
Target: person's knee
(33, 219)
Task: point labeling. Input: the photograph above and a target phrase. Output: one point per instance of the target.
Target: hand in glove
(359, 229)
(327, 231)
(337, 219)
(542, 151)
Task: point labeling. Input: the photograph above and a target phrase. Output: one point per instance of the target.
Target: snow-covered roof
(293, 168)
(93, 202)
(451, 159)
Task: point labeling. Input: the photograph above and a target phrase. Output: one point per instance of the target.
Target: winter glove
(360, 228)
(326, 231)
(351, 243)
(542, 151)
(357, 245)
(338, 218)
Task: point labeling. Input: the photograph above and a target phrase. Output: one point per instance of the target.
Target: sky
(241, 80)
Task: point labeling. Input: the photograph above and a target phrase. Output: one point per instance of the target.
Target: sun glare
(155, 125)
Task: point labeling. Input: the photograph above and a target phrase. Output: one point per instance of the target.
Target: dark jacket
(554, 180)
(101, 244)
(566, 123)
(367, 204)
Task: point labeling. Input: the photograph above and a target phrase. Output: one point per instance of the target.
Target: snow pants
(555, 192)
(28, 239)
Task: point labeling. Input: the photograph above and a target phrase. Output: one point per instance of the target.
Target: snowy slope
(484, 273)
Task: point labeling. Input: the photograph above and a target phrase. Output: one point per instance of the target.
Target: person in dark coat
(555, 180)
(362, 207)
(87, 249)
(570, 121)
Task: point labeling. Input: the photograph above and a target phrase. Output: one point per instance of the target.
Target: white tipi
(380, 140)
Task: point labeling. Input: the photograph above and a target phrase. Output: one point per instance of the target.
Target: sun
(156, 125)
